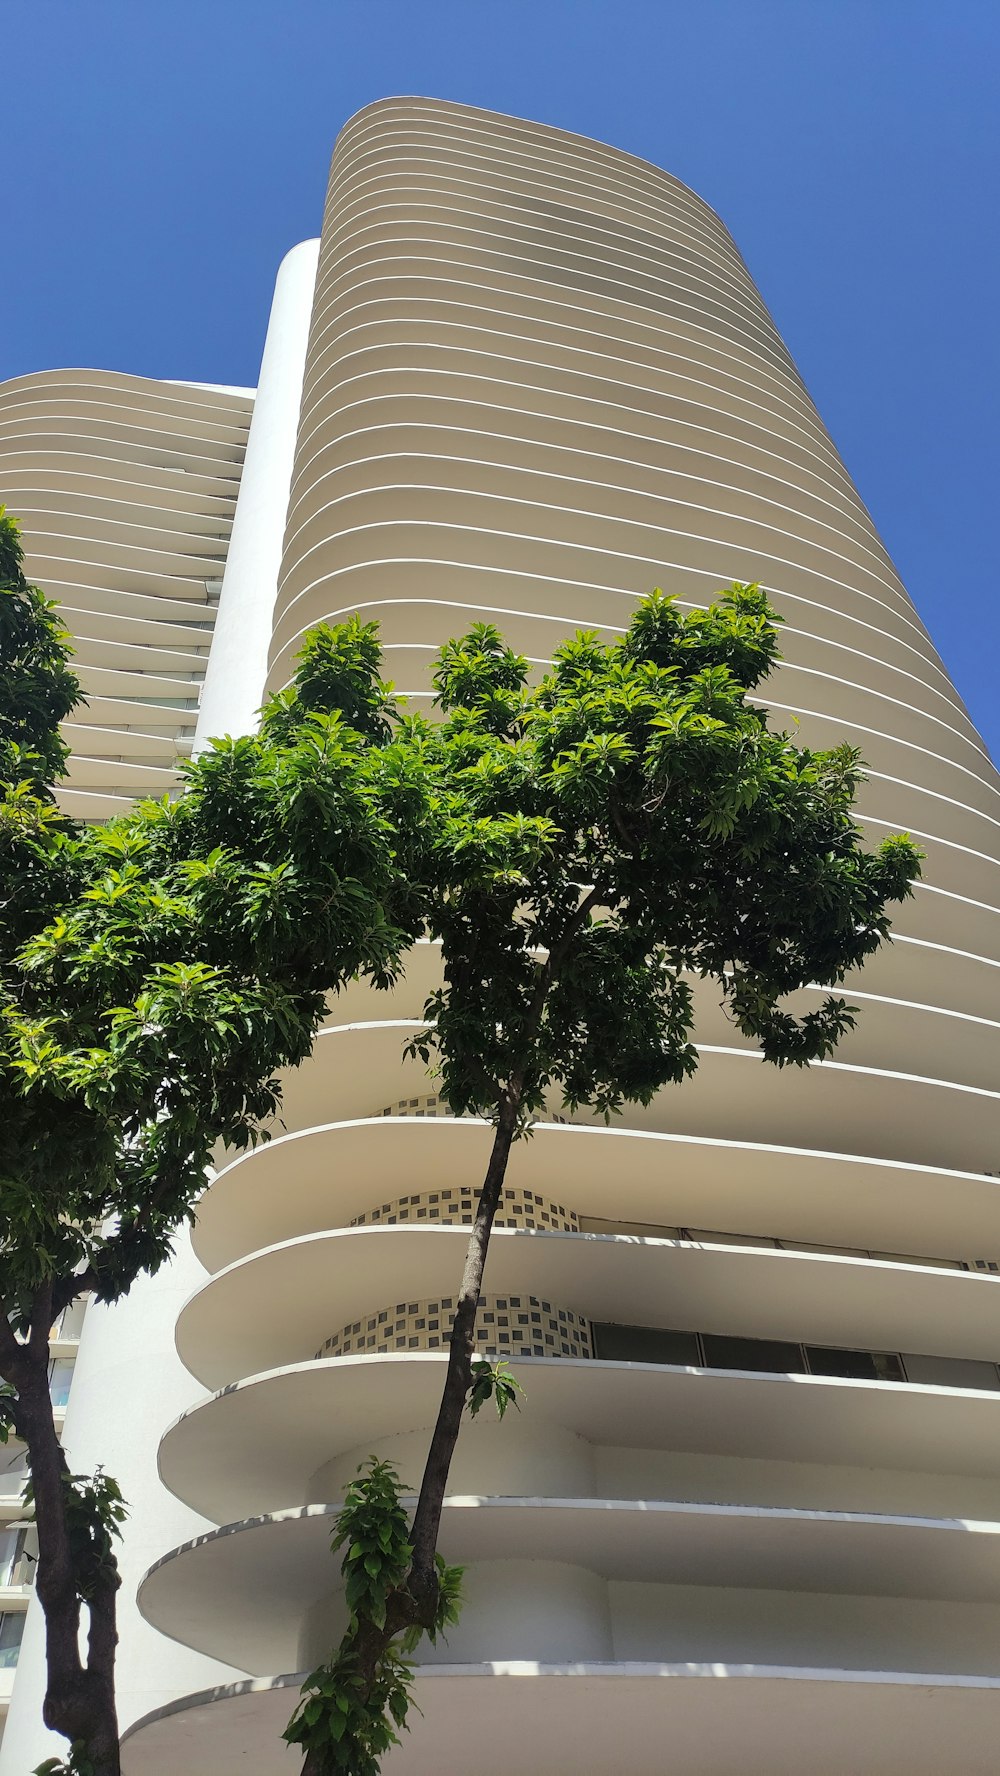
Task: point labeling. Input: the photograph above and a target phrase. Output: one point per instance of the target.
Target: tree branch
(461, 1345)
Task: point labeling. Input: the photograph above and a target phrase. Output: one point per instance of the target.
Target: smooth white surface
(688, 1718)
(263, 1444)
(280, 1306)
(824, 1574)
(234, 680)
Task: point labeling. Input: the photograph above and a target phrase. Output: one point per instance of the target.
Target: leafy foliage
(634, 817)
(353, 1709)
(156, 974)
(94, 1514)
(596, 842)
(75, 1763)
(38, 689)
(493, 1381)
(172, 961)
(584, 848)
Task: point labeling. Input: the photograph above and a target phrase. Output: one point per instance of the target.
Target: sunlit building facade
(746, 1519)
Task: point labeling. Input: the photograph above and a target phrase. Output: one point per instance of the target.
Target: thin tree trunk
(418, 1602)
(462, 1344)
(427, 1517)
(416, 1605)
(79, 1699)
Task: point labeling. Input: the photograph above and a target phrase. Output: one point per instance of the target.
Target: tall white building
(747, 1518)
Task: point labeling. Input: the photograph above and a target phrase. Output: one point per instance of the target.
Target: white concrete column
(237, 665)
(129, 1383)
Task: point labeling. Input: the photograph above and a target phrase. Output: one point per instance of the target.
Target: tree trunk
(79, 1699)
(461, 1350)
(418, 1602)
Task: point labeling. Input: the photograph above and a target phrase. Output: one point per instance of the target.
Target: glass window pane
(60, 1376)
(771, 1354)
(851, 1365)
(888, 1366)
(855, 1365)
(645, 1344)
(11, 1543)
(951, 1372)
(11, 1630)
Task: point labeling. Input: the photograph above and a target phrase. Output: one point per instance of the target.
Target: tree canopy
(156, 973)
(598, 841)
(583, 847)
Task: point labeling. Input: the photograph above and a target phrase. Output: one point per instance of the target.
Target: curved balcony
(576, 1719)
(513, 501)
(445, 595)
(283, 1190)
(126, 488)
(208, 1593)
(256, 1446)
(280, 1306)
(891, 1115)
(362, 449)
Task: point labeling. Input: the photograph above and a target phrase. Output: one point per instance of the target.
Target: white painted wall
(512, 1609)
(529, 1457)
(234, 679)
(718, 1624)
(726, 1479)
(522, 1457)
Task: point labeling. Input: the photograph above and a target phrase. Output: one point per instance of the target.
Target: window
(771, 1354)
(60, 1376)
(703, 1236)
(634, 1229)
(13, 1472)
(645, 1344)
(11, 1550)
(955, 1372)
(855, 1365)
(655, 1344)
(11, 1630)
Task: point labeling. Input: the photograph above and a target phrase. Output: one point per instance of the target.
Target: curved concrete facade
(126, 490)
(539, 381)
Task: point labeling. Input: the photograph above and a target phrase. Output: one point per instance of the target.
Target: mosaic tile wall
(430, 1106)
(507, 1325)
(457, 1207)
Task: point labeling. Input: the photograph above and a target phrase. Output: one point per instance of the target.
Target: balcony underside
(256, 1446)
(359, 1069)
(242, 1593)
(323, 1177)
(690, 1720)
(281, 1305)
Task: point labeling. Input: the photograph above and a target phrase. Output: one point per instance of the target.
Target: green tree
(155, 973)
(597, 842)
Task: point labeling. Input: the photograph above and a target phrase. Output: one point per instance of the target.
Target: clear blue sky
(160, 158)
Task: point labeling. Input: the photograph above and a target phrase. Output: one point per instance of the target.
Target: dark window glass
(772, 1354)
(645, 1344)
(855, 1365)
